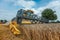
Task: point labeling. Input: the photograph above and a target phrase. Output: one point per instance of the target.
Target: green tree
(5, 21)
(49, 14)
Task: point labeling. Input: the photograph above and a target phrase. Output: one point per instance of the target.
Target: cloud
(25, 4)
(53, 5)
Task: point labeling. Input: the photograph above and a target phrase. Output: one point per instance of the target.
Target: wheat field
(44, 31)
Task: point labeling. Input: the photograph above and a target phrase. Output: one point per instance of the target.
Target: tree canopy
(49, 14)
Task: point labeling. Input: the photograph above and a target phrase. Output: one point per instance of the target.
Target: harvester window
(28, 14)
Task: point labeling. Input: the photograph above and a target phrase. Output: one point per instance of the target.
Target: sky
(9, 8)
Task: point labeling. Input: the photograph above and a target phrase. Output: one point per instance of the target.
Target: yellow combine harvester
(17, 21)
(23, 17)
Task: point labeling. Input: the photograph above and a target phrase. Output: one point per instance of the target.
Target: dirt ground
(32, 32)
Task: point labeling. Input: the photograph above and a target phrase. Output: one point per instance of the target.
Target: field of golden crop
(49, 31)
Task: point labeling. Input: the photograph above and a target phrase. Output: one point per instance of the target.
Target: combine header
(24, 17)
